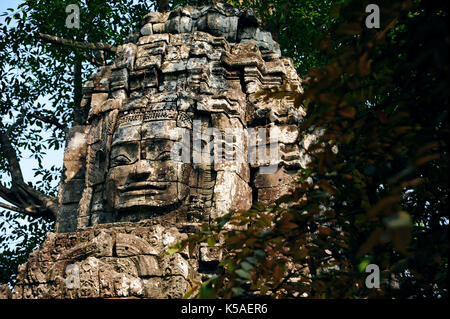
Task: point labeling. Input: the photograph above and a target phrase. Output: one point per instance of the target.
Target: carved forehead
(160, 129)
(127, 132)
(137, 126)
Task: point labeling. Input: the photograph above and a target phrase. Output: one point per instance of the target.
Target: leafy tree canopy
(376, 191)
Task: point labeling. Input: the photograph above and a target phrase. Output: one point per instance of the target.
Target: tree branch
(78, 89)
(12, 208)
(76, 44)
(25, 198)
(11, 157)
(6, 194)
(93, 60)
(28, 201)
(49, 120)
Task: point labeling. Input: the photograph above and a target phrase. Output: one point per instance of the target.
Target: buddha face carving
(141, 173)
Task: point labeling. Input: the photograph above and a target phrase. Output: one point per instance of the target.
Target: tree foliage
(376, 190)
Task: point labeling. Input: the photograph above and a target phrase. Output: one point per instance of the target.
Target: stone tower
(133, 183)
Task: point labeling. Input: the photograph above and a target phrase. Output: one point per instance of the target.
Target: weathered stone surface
(147, 29)
(108, 261)
(153, 39)
(75, 153)
(5, 292)
(129, 245)
(270, 186)
(156, 17)
(97, 100)
(125, 56)
(210, 254)
(167, 144)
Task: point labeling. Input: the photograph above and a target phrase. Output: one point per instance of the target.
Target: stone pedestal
(124, 260)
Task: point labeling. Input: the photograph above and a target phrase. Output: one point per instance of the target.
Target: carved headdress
(202, 65)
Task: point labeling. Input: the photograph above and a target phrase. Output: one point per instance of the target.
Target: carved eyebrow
(121, 155)
(124, 153)
(162, 154)
(120, 159)
(133, 134)
(157, 148)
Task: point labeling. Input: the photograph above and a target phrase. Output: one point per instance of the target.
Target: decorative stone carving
(127, 194)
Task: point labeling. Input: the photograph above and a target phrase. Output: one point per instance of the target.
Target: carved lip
(141, 188)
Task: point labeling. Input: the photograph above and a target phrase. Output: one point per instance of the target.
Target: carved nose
(141, 172)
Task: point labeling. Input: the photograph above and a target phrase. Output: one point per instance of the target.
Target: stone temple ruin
(123, 200)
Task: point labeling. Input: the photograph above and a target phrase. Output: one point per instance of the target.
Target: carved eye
(164, 156)
(121, 160)
(124, 154)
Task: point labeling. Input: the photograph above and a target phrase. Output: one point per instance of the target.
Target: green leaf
(252, 260)
(260, 253)
(211, 242)
(243, 274)
(246, 266)
(363, 264)
(238, 291)
(172, 250)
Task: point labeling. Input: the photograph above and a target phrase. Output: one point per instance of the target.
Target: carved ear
(73, 183)
(96, 164)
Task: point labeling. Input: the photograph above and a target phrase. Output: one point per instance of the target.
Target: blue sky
(5, 4)
(8, 4)
(27, 163)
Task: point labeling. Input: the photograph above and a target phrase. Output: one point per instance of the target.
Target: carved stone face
(142, 174)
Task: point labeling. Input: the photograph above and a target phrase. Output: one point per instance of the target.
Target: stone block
(153, 38)
(5, 292)
(159, 28)
(153, 288)
(210, 254)
(148, 62)
(73, 191)
(156, 17)
(179, 25)
(125, 56)
(147, 29)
